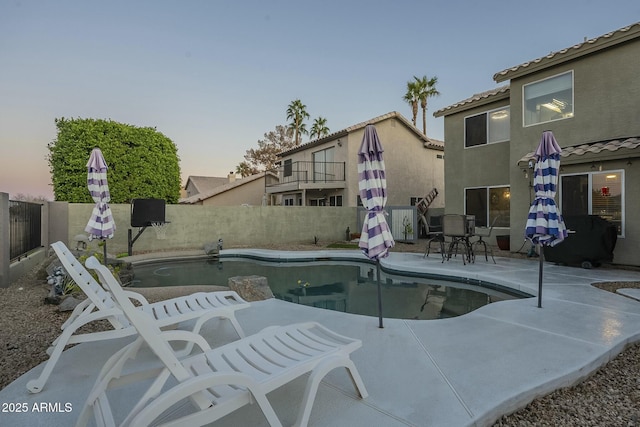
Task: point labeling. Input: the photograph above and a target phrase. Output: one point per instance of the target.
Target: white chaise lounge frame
(99, 305)
(220, 380)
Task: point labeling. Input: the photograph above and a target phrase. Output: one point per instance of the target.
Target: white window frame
(590, 175)
(524, 99)
(334, 199)
(488, 130)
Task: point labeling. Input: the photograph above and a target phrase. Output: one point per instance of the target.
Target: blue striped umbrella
(101, 224)
(376, 238)
(545, 225)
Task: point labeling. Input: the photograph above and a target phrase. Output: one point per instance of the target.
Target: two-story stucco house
(324, 172)
(589, 96)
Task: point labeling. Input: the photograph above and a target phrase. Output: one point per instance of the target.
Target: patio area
(463, 371)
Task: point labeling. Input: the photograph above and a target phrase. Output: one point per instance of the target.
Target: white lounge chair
(99, 305)
(220, 380)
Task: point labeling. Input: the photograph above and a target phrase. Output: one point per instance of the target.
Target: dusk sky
(214, 76)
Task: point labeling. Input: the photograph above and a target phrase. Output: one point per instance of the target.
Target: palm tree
(319, 128)
(412, 99)
(244, 169)
(426, 89)
(297, 112)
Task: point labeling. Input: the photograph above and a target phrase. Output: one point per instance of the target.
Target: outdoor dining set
(457, 234)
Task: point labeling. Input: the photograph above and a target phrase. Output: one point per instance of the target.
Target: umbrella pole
(105, 251)
(541, 256)
(379, 295)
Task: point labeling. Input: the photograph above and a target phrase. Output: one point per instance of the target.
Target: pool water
(335, 285)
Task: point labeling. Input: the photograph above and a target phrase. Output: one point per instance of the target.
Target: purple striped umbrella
(545, 225)
(101, 224)
(376, 238)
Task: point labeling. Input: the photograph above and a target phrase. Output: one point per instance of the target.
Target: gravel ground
(610, 397)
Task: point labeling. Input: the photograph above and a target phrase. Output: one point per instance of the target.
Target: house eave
(587, 47)
(315, 143)
(475, 101)
(427, 142)
(616, 149)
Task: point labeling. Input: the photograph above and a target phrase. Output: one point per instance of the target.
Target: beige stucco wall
(411, 169)
(250, 193)
(192, 226)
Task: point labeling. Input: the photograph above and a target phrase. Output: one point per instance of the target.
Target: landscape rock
(251, 288)
(211, 248)
(52, 300)
(68, 303)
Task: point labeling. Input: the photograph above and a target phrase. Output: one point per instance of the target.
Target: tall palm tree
(297, 113)
(244, 169)
(411, 97)
(426, 89)
(319, 128)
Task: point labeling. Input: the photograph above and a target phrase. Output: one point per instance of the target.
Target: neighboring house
(203, 184)
(324, 172)
(589, 96)
(235, 192)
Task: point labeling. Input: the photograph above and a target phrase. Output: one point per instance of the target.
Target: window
(487, 203)
(323, 165)
(487, 128)
(548, 100)
(288, 200)
(595, 193)
(288, 168)
(335, 200)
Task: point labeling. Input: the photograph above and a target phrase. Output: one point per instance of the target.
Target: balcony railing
(309, 172)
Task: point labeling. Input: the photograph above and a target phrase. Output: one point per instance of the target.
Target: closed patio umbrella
(545, 225)
(101, 224)
(376, 238)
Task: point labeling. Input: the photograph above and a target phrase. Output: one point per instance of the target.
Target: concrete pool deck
(463, 371)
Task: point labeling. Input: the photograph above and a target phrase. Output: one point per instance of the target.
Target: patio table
(460, 229)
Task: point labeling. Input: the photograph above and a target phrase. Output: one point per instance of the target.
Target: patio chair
(217, 381)
(434, 234)
(456, 227)
(99, 305)
(485, 233)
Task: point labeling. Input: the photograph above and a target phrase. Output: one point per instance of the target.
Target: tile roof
(221, 189)
(586, 47)
(486, 95)
(206, 183)
(427, 142)
(594, 147)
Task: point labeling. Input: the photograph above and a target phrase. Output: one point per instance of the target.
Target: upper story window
(548, 100)
(487, 128)
(288, 167)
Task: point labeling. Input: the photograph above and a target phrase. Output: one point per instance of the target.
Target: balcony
(307, 175)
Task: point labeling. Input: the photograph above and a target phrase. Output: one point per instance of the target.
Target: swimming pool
(346, 286)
